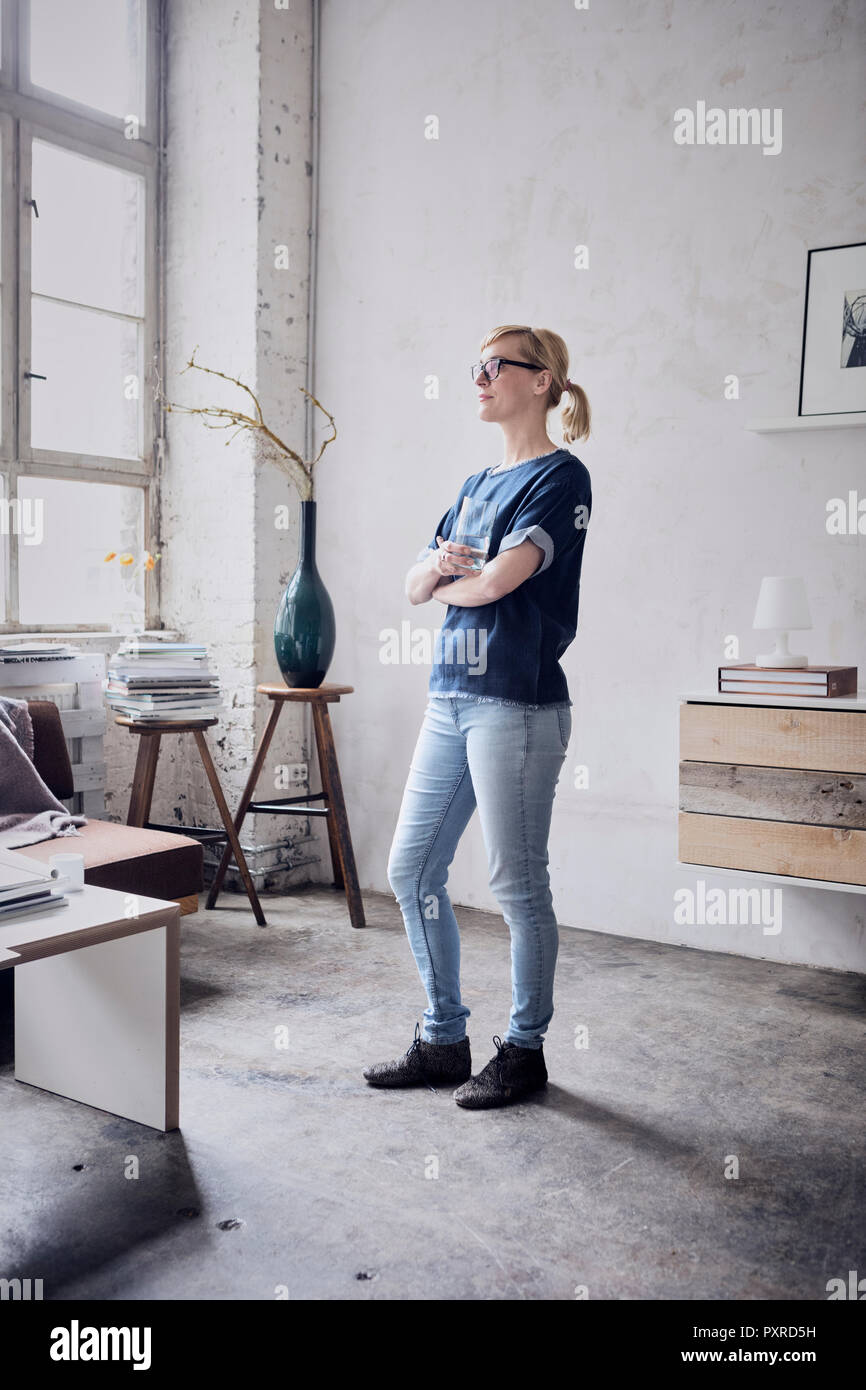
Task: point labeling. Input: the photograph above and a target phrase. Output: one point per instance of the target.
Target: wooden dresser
(775, 786)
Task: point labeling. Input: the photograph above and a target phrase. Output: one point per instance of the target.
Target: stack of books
(148, 680)
(26, 885)
(827, 681)
(37, 651)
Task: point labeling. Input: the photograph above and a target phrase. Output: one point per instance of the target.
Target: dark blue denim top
(508, 650)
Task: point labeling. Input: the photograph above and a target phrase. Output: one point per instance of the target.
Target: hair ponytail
(577, 416)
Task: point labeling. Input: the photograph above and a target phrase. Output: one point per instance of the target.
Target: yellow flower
(127, 559)
(111, 554)
(148, 560)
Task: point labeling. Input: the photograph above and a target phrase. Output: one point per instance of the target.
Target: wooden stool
(334, 810)
(142, 791)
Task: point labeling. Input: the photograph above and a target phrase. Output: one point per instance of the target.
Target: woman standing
(498, 719)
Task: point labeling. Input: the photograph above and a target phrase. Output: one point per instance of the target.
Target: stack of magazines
(150, 681)
(747, 679)
(26, 885)
(37, 651)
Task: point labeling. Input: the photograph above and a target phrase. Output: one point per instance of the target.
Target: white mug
(70, 866)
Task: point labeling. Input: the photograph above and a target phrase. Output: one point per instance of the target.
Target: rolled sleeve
(538, 535)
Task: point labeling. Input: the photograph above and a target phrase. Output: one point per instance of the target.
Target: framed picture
(833, 365)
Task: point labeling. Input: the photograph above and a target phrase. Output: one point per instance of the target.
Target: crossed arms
(499, 576)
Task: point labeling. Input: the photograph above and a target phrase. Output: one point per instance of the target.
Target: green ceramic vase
(304, 628)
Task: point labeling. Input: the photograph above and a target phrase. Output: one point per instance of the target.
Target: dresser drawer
(837, 799)
(773, 847)
(827, 740)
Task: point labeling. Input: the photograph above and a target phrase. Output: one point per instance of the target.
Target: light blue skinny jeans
(506, 760)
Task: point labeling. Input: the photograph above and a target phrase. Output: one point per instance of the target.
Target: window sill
(86, 635)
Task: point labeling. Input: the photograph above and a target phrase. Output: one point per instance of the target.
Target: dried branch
(224, 417)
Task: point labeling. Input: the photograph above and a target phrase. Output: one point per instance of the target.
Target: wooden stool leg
(234, 842)
(333, 788)
(248, 794)
(143, 777)
(333, 833)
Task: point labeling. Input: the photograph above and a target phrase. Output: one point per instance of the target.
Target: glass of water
(474, 526)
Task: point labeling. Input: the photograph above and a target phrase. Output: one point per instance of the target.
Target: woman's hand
(439, 566)
(451, 558)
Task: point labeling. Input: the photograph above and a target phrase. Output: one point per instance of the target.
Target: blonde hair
(544, 346)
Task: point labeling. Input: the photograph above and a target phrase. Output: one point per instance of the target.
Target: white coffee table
(97, 1002)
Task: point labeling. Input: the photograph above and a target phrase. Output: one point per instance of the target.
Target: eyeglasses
(490, 368)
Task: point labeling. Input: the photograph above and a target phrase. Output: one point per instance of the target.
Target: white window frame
(27, 113)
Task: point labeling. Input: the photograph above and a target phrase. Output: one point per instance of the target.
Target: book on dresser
(747, 679)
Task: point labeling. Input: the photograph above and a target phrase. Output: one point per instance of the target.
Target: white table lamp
(782, 606)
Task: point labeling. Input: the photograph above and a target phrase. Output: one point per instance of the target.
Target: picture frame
(833, 357)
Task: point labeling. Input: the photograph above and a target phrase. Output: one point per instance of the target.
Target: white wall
(555, 129)
(207, 580)
(238, 130)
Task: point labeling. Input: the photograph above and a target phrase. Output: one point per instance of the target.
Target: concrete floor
(612, 1180)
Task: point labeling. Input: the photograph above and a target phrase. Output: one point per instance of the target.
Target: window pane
(3, 158)
(5, 528)
(92, 51)
(87, 239)
(63, 575)
(90, 402)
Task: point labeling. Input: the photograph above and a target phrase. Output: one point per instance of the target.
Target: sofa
(154, 863)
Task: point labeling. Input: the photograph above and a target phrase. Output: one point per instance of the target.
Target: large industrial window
(79, 309)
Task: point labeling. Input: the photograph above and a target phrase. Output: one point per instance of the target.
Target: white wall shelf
(808, 422)
(727, 697)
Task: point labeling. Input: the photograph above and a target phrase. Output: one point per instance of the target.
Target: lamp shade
(782, 603)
